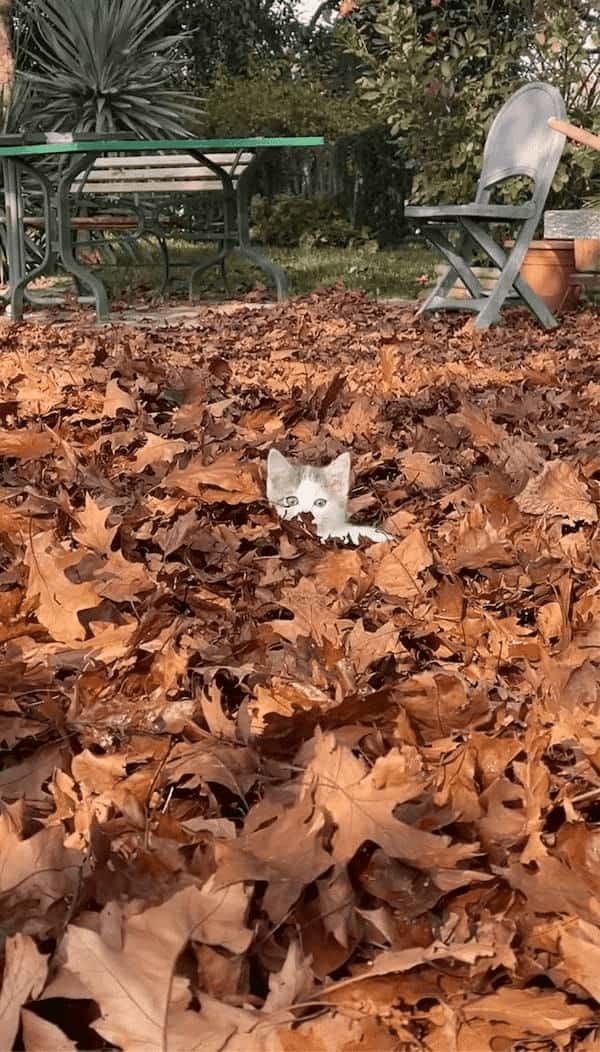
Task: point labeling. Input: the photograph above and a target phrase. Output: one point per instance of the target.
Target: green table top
(148, 145)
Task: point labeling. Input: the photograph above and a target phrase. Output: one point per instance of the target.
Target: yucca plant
(103, 66)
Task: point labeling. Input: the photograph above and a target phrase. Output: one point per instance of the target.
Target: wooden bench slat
(153, 160)
(572, 223)
(150, 186)
(102, 175)
(88, 222)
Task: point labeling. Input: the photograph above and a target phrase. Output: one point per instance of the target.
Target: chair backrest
(520, 142)
(159, 173)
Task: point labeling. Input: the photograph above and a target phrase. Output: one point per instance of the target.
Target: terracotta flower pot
(547, 268)
(488, 276)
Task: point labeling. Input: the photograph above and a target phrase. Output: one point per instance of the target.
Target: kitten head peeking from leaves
(296, 489)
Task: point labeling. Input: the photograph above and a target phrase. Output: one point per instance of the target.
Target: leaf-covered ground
(266, 795)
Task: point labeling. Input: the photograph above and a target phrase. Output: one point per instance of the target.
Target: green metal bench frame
(55, 190)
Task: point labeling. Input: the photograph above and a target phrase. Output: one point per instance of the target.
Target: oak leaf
(361, 804)
(398, 572)
(157, 450)
(36, 873)
(288, 853)
(420, 469)
(122, 580)
(57, 600)
(115, 399)
(226, 479)
(27, 445)
(39, 1035)
(133, 983)
(365, 648)
(580, 951)
(558, 492)
(23, 978)
(92, 531)
(540, 1012)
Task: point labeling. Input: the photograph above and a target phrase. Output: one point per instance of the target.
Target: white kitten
(321, 492)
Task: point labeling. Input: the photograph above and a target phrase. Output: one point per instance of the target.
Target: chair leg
(510, 265)
(458, 267)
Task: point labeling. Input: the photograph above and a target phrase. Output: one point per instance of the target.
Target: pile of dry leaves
(262, 794)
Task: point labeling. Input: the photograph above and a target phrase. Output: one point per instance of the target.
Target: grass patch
(385, 274)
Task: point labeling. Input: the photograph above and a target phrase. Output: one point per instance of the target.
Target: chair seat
(471, 211)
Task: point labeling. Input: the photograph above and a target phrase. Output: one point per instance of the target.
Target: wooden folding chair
(520, 143)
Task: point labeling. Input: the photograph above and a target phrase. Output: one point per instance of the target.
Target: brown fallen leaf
(292, 983)
(580, 951)
(27, 445)
(390, 961)
(115, 399)
(558, 492)
(92, 531)
(420, 469)
(398, 572)
(57, 600)
(226, 479)
(24, 975)
(288, 853)
(41, 1036)
(365, 648)
(121, 580)
(133, 982)
(36, 874)
(157, 450)
(540, 1012)
(361, 803)
(284, 698)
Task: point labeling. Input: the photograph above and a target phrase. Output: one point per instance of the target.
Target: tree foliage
(438, 72)
(235, 36)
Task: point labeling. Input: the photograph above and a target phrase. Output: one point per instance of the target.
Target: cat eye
(289, 502)
(320, 503)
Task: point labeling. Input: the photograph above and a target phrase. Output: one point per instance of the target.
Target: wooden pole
(586, 138)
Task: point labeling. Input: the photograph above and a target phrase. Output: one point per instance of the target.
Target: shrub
(104, 65)
(275, 101)
(290, 221)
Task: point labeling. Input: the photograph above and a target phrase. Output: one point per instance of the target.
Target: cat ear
(281, 476)
(338, 474)
(277, 465)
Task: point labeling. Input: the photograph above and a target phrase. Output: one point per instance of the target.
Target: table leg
(247, 250)
(229, 221)
(19, 277)
(236, 235)
(67, 257)
(15, 249)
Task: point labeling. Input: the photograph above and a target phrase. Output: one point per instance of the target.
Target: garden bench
(144, 200)
(26, 164)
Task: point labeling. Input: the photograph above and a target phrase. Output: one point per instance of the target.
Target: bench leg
(166, 264)
(216, 260)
